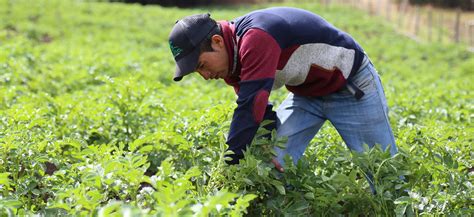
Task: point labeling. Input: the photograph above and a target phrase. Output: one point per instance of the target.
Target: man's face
(215, 64)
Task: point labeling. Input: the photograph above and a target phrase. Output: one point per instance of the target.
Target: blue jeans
(359, 122)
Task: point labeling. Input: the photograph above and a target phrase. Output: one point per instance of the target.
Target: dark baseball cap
(185, 39)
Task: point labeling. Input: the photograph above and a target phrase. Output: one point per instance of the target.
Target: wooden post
(398, 13)
(409, 18)
(417, 21)
(328, 3)
(371, 12)
(440, 27)
(471, 33)
(430, 23)
(403, 8)
(388, 8)
(378, 11)
(457, 25)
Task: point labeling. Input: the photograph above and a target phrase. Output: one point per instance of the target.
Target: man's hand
(277, 165)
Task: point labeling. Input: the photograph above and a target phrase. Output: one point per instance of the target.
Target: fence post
(328, 2)
(440, 27)
(388, 8)
(457, 26)
(370, 6)
(378, 11)
(401, 14)
(471, 33)
(430, 22)
(417, 20)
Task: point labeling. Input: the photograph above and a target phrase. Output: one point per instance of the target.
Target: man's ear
(217, 42)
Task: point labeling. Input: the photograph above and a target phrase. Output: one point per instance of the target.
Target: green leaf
(403, 200)
(4, 180)
(36, 192)
(192, 172)
(110, 209)
(167, 167)
(400, 210)
(146, 149)
(309, 196)
(60, 205)
(11, 203)
(248, 181)
(279, 187)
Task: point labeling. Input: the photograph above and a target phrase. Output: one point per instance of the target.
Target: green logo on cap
(175, 50)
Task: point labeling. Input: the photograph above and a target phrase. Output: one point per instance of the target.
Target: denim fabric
(359, 122)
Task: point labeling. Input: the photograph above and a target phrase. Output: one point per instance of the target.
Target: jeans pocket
(364, 80)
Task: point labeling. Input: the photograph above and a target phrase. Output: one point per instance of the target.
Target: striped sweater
(277, 47)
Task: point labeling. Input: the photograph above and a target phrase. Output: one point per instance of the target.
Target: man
(326, 71)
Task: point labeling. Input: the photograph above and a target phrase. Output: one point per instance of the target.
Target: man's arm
(259, 54)
(243, 136)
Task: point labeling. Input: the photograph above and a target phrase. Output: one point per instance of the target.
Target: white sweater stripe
(296, 69)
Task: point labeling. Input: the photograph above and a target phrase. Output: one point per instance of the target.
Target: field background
(92, 124)
(422, 23)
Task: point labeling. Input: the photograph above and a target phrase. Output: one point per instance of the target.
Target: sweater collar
(230, 44)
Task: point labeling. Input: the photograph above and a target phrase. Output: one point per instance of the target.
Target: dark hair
(205, 45)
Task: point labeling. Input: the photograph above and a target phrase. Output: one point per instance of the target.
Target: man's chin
(224, 75)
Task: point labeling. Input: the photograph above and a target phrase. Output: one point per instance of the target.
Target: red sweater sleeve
(259, 54)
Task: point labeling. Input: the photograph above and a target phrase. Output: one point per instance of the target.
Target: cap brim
(186, 65)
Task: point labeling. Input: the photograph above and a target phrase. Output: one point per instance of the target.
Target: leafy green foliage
(91, 124)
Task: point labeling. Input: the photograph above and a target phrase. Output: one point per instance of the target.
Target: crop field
(91, 123)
